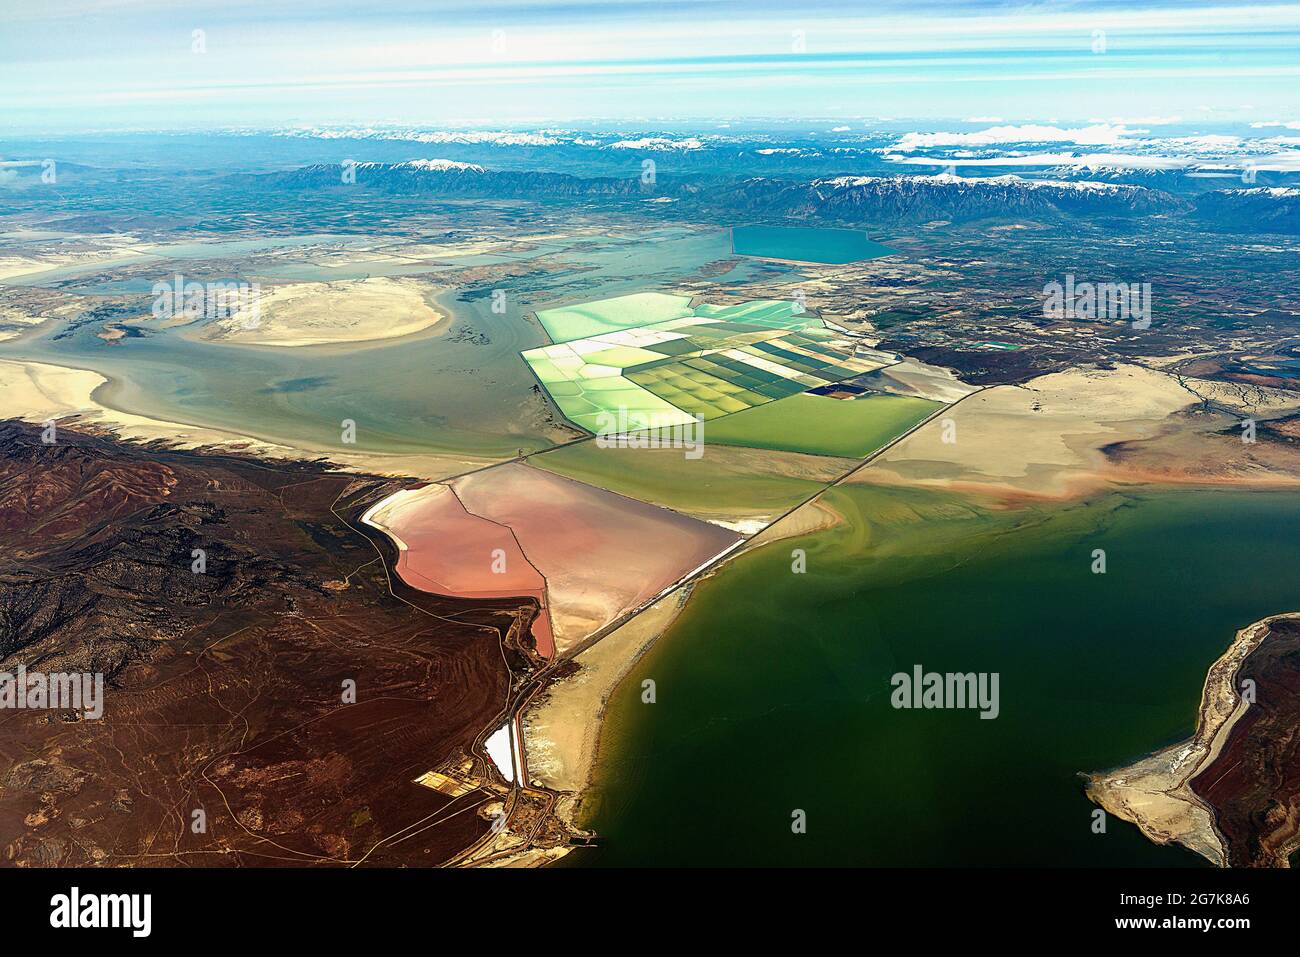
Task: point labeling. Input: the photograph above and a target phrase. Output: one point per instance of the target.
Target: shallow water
(465, 390)
(179, 252)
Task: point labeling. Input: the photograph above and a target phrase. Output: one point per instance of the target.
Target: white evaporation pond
(501, 751)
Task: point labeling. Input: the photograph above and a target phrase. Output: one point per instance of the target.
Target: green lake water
(834, 246)
(773, 689)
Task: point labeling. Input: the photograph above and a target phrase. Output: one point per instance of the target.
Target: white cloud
(1279, 160)
(1102, 134)
(659, 144)
(1146, 120)
(465, 137)
(1214, 143)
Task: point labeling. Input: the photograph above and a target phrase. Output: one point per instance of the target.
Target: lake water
(836, 246)
(466, 391)
(773, 689)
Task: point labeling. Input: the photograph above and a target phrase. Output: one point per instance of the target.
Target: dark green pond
(773, 688)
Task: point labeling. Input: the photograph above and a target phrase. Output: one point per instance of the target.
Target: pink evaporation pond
(602, 555)
(447, 551)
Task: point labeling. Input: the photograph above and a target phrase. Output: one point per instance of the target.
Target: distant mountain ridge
(1259, 209)
(846, 200)
(447, 178)
(922, 198)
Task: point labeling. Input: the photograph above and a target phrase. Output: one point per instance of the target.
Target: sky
(105, 65)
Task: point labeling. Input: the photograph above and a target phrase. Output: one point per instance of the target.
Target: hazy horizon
(96, 65)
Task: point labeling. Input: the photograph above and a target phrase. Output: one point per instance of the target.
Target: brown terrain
(1253, 784)
(225, 689)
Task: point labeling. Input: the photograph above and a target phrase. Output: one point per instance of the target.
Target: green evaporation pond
(579, 321)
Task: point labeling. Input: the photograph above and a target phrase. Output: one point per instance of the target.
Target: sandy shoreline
(1155, 793)
(1067, 435)
(37, 392)
(353, 311)
(1038, 439)
(563, 726)
(560, 736)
